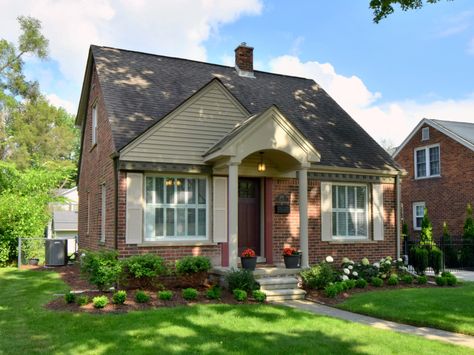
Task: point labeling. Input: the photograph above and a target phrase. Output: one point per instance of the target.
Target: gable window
(94, 124)
(425, 133)
(349, 211)
(176, 208)
(427, 162)
(418, 212)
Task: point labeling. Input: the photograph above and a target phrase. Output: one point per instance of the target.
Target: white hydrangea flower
(354, 273)
(350, 267)
(344, 278)
(329, 259)
(346, 271)
(388, 262)
(345, 260)
(351, 262)
(389, 258)
(365, 261)
(399, 260)
(377, 265)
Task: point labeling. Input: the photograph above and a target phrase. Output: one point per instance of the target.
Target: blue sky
(388, 76)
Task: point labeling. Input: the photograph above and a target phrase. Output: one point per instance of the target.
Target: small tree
(467, 253)
(426, 236)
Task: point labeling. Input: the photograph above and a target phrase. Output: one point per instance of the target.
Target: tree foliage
(383, 8)
(426, 235)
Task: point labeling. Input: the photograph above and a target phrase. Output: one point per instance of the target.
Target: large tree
(383, 8)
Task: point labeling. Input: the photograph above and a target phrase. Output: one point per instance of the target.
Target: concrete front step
(285, 294)
(278, 283)
(261, 273)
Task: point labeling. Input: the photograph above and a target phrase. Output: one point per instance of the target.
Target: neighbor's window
(427, 162)
(94, 124)
(349, 211)
(418, 212)
(176, 208)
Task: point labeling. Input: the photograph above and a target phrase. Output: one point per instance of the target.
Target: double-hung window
(349, 211)
(418, 213)
(176, 208)
(427, 162)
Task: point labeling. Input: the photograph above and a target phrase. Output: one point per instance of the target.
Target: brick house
(439, 159)
(180, 157)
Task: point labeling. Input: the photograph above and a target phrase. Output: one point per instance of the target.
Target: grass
(27, 327)
(447, 308)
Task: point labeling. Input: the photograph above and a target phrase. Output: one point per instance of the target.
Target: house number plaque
(282, 205)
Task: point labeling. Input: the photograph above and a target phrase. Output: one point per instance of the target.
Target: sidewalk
(428, 333)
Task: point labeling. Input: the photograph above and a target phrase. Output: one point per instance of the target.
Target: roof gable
(141, 89)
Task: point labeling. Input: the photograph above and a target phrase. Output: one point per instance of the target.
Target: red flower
(248, 253)
(290, 251)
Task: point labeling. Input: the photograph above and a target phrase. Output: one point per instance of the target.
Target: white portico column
(233, 199)
(303, 199)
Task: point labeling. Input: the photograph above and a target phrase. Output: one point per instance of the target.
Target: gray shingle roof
(139, 89)
(464, 130)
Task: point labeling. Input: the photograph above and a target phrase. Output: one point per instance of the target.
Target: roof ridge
(198, 61)
(449, 121)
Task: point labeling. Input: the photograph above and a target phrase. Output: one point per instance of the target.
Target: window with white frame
(418, 213)
(427, 162)
(349, 211)
(94, 124)
(176, 208)
(425, 133)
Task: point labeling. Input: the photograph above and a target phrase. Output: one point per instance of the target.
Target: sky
(387, 76)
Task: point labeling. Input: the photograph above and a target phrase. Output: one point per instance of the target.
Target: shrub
(241, 279)
(100, 301)
(361, 283)
(344, 286)
(350, 284)
(214, 293)
(144, 268)
(119, 297)
(332, 290)
(441, 281)
(408, 279)
(452, 280)
(101, 268)
(392, 280)
(165, 295)
(240, 295)
(421, 280)
(436, 259)
(419, 259)
(318, 276)
(193, 264)
(82, 300)
(366, 271)
(69, 297)
(377, 282)
(142, 296)
(190, 294)
(259, 296)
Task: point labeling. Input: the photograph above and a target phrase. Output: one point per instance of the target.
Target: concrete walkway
(428, 333)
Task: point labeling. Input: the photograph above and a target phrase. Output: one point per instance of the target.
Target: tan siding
(188, 133)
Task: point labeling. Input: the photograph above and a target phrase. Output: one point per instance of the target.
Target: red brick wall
(286, 227)
(169, 253)
(445, 197)
(96, 168)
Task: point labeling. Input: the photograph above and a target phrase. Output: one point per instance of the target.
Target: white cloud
(58, 102)
(177, 28)
(391, 121)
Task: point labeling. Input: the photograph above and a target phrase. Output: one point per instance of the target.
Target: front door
(249, 214)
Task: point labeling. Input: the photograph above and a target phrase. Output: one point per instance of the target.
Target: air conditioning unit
(56, 252)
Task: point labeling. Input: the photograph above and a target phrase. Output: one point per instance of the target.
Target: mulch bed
(71, 276)
(319, 297)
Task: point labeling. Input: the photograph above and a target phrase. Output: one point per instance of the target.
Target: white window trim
(103, 197)
(427, 162)
(367, 211)
(94, 124)
(177, 238)
(415, 205)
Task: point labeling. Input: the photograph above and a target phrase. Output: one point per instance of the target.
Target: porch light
(261, 166)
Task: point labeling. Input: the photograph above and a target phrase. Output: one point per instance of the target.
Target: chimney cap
(243, 45)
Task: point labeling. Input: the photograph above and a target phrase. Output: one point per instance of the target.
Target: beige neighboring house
(63, 223)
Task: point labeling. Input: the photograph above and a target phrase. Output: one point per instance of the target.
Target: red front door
(249, 214)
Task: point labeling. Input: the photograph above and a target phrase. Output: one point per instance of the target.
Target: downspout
(398, 188)
(115, 156)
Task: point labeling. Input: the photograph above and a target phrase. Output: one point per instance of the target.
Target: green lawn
(27, 327)
(448, 308)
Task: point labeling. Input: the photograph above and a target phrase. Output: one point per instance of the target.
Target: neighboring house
(180, 157)
(439, 159)
(64, 215)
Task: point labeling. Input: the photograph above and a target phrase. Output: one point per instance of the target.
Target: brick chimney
(244, 60)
